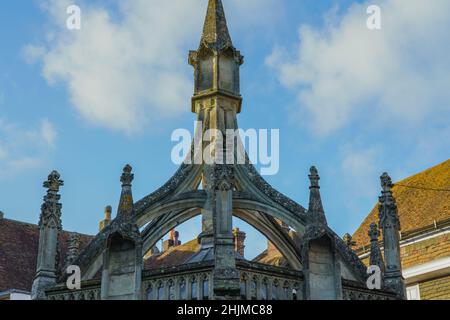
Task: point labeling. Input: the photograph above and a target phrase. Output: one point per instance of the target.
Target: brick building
(423, 202)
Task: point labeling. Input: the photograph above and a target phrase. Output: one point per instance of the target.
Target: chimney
(239, 241)
(176, 238)
(172, 241)
(104, 223)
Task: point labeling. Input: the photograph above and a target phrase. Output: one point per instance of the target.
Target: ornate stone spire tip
(386, 182)
(215, 30)
(314, 177)
(127, 177)
(53, 182)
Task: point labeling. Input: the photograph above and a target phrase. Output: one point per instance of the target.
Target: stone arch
(285, 245)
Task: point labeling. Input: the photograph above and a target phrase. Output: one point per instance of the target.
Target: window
(205, 289)
(161, 292)
(243, 289)
(183, 290)
(253, 289)
(264, 291)
(194, 290)
(150, 293)
(413, 293)
(275, 295)
(171, 290)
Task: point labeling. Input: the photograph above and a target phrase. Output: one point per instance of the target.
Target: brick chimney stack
(239, 241)
(105, 222)
(173, 240)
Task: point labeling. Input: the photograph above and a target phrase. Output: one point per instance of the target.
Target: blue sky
(351, 101)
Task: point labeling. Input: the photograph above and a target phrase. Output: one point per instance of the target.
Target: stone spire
(376, 258)
(216, 69)
(50, 227)
(126, 197)
(315, 200)
(215, 31)
(390, 225)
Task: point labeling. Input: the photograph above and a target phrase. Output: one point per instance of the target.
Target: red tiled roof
(19, 243)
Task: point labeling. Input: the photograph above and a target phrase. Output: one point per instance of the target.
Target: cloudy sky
(352, 101)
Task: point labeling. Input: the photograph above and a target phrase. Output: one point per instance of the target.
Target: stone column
(390, 226)
(376, 258)
(49, 228)
(122, 259)
(225, 275)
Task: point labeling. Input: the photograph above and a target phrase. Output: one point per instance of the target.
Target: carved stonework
(388, 206)
(51, 208)
(390, 225)
(73, 248)
(348, 239)
(315, 201)
(376, 258)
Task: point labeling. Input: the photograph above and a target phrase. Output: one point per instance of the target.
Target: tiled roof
(421, 204)
(175, 256)
(18, 253)
(271, 257)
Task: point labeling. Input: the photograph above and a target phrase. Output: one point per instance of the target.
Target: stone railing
(186, 282)
(194, 282)
(90, 291)
(355, 291)
(263, 282)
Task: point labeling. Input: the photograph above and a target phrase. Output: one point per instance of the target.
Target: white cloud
(360, 170)
(345, 73)
(24, 149)
(128, 70)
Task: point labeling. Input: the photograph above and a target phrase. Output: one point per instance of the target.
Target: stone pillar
(322, 268)
(390, 226)
(376, 258)
(225, 274)
(122, 258)
(49, 228)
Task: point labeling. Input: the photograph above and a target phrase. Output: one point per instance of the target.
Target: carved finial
(374, 233)
(315, 200)
(348, 239)
(53, 182)
(51, 208)
(386, 182)
(126, 198)
(127, 176)
(314, 177)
